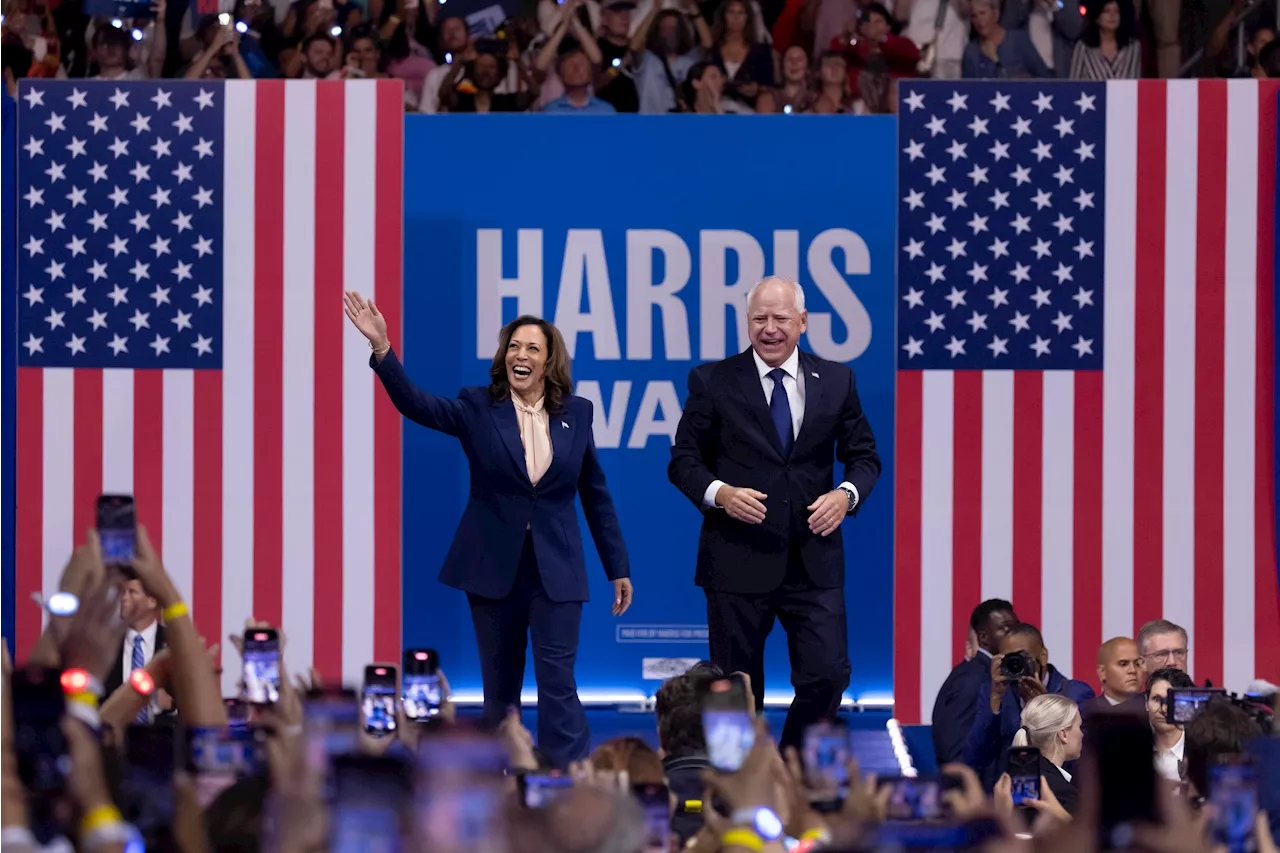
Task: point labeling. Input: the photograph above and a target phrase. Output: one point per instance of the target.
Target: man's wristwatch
(853, 499)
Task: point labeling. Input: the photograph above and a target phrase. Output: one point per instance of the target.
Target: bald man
(1119, 673)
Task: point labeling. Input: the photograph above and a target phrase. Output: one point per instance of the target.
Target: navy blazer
(953, 709)
(503, 502)
(991, 735)
(727, 433)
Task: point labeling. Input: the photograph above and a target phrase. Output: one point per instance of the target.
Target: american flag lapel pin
(563, 424)
(814, 375)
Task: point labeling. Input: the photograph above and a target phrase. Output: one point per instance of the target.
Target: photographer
(1019, 673)
(954, 707)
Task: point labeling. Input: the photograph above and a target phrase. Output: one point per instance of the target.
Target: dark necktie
(136, 662)
(780, 408)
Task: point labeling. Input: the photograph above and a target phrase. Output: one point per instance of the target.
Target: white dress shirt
(148, 635)
(1167, 760)
(793, 384)
(1110, 701)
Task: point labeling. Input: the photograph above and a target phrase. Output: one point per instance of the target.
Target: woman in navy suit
(518, 553)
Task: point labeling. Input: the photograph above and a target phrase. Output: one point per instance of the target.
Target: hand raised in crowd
(150, 570)
(753, 784)
(801, 796)
(828, 511)
(95, 632)
(746, 505)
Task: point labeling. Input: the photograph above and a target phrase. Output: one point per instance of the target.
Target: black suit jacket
(726, 433)
(1062, 788)
(954, 708)
(115, 677)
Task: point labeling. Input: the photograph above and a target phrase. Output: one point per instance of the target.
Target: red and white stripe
(1097, 501)
(271, 487)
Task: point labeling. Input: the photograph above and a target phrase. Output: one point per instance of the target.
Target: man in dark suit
(755, 452)
(1119, 673)
(143, 639)
(953, 709)
(998, 710)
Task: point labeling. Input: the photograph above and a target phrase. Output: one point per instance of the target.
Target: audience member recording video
(292, 764)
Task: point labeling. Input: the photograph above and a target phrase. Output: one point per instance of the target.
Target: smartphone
(1265, 752)
(150, 756)
(217, 757)
(655, 800)
(462, 793)
(727, 723)
(1024, 772)
(826, 761)
(1233, 793)
(331, 725)
(913, 798)
(1185, 702)
(38, 745)
(1121, 746)
(538, 790)
(117, 529)
(378, 699)
(372, 797)
(261, 667)
(237, 712)
(420, 684)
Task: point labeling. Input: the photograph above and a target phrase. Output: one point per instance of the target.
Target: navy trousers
(504, 627)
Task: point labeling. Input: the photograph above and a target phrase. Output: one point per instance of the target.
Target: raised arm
(432, 412)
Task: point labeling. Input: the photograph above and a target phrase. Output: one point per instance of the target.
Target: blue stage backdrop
(638, 237)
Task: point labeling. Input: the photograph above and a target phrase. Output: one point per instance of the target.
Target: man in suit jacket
(1119, 673)
(755, 452)
(143, 639)
(953, 709)
(998, 710)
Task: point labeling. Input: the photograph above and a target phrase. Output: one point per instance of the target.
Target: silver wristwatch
(853, 499)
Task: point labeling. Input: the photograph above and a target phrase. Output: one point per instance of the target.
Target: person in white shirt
(1170, 740)
(143, 639)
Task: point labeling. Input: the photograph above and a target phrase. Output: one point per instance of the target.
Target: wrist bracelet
(87, 714)
(742, 837)
(174, 611)
(89, 700)
(99, 817)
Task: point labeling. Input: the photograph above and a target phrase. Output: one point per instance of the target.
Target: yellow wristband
(693, 806)
(99, 817)
(742, 838)
(85, 698)
(174, 611)
(816, 835)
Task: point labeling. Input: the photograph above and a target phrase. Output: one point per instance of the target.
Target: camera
(1017, 665)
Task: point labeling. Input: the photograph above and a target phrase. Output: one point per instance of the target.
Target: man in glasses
(1162, 645)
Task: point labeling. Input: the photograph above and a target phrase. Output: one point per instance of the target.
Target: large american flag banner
(183, 248)
(1085, 388)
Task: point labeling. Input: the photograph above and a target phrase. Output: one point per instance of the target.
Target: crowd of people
(646, 56)
(302, 771)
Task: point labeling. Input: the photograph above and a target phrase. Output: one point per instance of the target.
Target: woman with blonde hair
(1051, 723)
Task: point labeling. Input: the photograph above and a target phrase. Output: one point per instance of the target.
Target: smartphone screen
(1233, 793)
(1122, 745)
(331, 724)
(261, 667)
(655, 800)
(462, 793)
(1024, 772)
(38, 707)
(538, 790)
(727, 723)
(150, 753)
(826, 761)
(371, 798)
(913, 798)
(1186, 702)
(420, 684)
(217, 757)
(117, 529)
(378, 699)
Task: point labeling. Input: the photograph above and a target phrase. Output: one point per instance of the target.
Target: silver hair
(1155, 628)
(772, 279)
(1044, 717)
